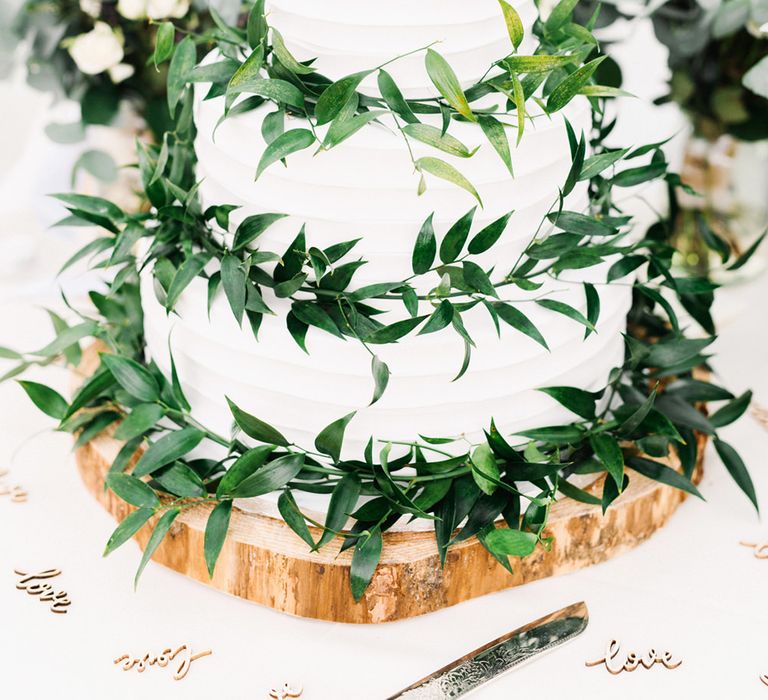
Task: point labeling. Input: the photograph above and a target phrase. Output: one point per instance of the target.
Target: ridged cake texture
(366, 188)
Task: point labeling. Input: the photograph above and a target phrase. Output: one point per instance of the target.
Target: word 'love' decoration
(630, 661)
(31, 584)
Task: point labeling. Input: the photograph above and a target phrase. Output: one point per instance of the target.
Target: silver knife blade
(499, 656)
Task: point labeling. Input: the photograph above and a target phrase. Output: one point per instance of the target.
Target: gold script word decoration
(31, 583)
(759, 549)
(287, 690)
(616, 663)
(183, 654)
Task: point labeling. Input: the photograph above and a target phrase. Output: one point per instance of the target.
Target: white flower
(97, 50)
(120, 72)
(91, 7)
(132, 9)
(160, 9)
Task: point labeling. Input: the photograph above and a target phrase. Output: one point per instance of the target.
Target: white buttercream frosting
(366, 188)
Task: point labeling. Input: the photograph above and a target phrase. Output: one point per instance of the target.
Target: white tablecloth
(691, 589)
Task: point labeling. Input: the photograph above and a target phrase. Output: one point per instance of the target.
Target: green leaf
(286, 57)
(285, 144)
(394, 98)
(581, 224)
(187, 272)
(252, 227)
(483, 466)
(166, 33)
(478, 279)
(46, 399)
(132, 490)
(392, 333)
(182, 64)
(134, 378)
(569, 87)
(67, 338)
(662, 474)
(440, 318)
(540, 63)
(444, 79)
(555, 434)
(215, 533)
(671, 352)
(243, 467)
(439, 168)
(425, 248)
(343, 501)
(168, 449)
(341, 128)
(256, 25)
(732, 411)
(157, 536)
(632, 423)
(512, 543)
(580, 402)
(365, 559)
(313, 314)
(233, 279)
(486, 238)
(560, 15)
(577, 494)
(180, 480)
(98, 206)
(433, 136)
(607, 449)
(513, 22)
(518, 95)
(497, 136)
(593, 306)
(256, 428)
(380, 372)
(274, 89)
(519, 321)
(336, 95)
(127, 528)
(636, 176)
(142, 418)
(330, 439)
(594, 165)
(271, 477)
(293, 517)
(748, 253)
(452, 244)
(562, 308)
(737, 469)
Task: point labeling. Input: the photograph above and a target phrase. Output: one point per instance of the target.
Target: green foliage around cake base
(650, 405)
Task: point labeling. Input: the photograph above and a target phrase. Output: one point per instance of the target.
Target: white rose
(91, 7)
(132, 9)
(120, 72)
(97, 50)
(161, 9)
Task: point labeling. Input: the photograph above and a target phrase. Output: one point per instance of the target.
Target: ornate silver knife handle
(499, 656)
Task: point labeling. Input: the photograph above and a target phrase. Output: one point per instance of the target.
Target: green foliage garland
(648, 410)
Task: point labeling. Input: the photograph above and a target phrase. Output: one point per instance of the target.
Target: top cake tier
(346, 36)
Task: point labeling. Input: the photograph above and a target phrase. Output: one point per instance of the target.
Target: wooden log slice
(264, 561)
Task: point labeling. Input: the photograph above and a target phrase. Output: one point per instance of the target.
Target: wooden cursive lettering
(183, 654)
(615, 663)
(31, 583)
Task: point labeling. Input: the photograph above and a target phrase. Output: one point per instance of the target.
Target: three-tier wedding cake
(366, 188)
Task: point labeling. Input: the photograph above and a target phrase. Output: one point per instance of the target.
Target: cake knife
(499, 656)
